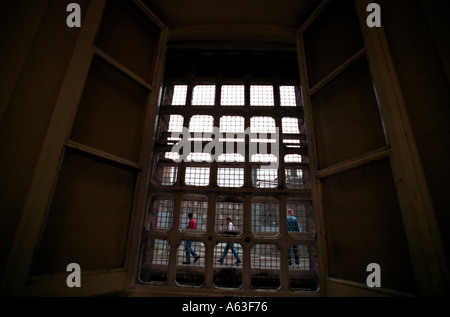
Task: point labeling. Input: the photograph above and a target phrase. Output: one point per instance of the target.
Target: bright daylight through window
(229, 204)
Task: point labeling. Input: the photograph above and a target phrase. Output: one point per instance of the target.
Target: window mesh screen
(232, 209)
(230, 177)
(241, 160)
(287, 96)
(179, 95)
(290, 125)
(198, 208)
(264, 178)
(204, 95)
(160, 215)
(197, 176)
(264, 218)
(232, 95)
(261, 95)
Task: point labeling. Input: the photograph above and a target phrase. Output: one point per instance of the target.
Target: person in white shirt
(230, 228)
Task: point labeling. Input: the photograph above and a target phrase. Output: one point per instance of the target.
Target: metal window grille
(175, 123)
(230, 177)
(265, 256)
(236, 182)
(160, 215)
(192, 274)
(228, 254)
(287, 96)
(232, 209)
(201, 123)
(290, 125)
(228, 273)
(232, 95)
(197, 176)
(232, 124)
(179, 95)
(265, 218)
(261, 95)
(264, 178)
(298, 256)
(160, 251)
(294, 178)
(292, 143)
(292, 158)
(198, 208)
(169, 175)
(188, 250)
(262, 125)
(300, 213)
(204, 95)
(265, 266)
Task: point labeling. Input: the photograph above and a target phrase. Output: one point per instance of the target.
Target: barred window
(204, 95)
(232, 95)
(230, 160)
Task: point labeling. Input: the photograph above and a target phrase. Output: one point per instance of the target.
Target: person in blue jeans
(188, 244)
(229, 246)
(292, 226)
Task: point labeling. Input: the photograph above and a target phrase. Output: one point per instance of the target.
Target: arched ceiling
(273, 20)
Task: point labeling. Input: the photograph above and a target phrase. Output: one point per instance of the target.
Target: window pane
(197, 176)
(160, 214)
(229, 206)
(176, 123)
(294, 178)
(169, 175)
(262, 125)
(227, 271)
(201, 123)
(179, 95)
(290, 125)
(287, 96)
(160, 252)
(299, 257)
(155, 259)
(227, 254)
(302, 211)
(187, 252)
(204, 95)
(261, 95)
(264, 177)
(264, 217)
(265, 265)
(230, 177)
(292, 158)
(232, 124)
(232, 95)
(197, 205)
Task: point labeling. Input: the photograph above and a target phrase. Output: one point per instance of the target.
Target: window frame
(247, 194)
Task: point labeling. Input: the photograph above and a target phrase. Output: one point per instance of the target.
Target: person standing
(188, 244)
(292, 226)
(229, 246)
